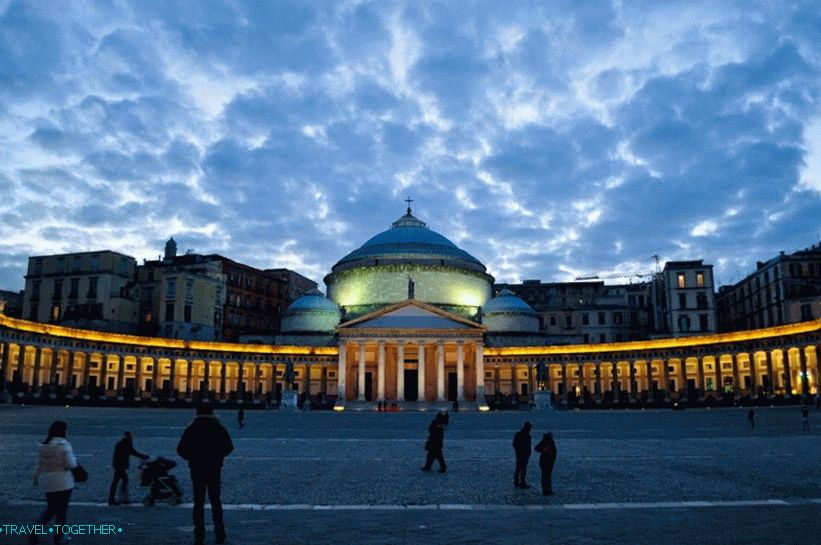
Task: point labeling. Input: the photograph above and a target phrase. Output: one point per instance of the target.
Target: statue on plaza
(411, 288)
(289, 375)
(541, 375)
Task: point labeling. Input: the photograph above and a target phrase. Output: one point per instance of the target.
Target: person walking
(55, 462)
(123, 451)
(521, 446)
(805, 418)
(751, 418)
(241, 417)
(204, 444)
(547, 457)
(435, 443)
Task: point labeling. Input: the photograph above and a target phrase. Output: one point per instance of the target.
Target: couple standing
(547, 457)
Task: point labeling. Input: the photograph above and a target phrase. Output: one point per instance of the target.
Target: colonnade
(432, 361)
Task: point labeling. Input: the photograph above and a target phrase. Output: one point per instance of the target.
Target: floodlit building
(683, 299)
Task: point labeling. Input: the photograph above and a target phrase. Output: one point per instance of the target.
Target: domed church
(406, 311)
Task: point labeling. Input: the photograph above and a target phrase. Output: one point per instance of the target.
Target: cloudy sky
(550, 140)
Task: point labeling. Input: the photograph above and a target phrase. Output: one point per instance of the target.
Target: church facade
(408, 317)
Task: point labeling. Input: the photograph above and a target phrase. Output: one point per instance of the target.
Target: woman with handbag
(54, 471)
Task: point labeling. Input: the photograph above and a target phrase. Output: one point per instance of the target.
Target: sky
(548, 139)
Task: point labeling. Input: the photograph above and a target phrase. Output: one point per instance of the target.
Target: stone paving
(621, 477)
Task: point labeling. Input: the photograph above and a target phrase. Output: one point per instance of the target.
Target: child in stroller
(162, 485)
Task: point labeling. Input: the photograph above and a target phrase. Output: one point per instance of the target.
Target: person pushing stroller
(162, 485)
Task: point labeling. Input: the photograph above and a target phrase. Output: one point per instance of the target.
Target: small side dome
(311, 312)
(507, 312)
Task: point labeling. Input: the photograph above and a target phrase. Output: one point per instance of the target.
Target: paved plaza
(700, 476)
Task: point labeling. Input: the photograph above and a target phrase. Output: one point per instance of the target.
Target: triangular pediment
(411, 314)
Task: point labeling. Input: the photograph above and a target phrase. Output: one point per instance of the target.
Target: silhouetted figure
(521, 446)
(445, 418)
(123, 451)
(55, 462)
(751, 418)
(805, 418)
(455, 406)
(241, 417)
(205, 443)
(547, 457)
(435, 443)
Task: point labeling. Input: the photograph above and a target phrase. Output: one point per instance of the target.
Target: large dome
(409, 239)
(409, 260)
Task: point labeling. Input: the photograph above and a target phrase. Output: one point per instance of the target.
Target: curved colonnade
(41, 359)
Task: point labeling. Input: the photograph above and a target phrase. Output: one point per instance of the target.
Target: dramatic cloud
(547, 140)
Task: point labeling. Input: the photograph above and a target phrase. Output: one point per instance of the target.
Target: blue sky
(549, 140)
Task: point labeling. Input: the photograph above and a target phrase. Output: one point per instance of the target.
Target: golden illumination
(158, 342)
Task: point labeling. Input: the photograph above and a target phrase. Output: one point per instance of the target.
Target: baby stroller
(162, 485)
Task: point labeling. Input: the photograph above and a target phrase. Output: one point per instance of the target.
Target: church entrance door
(451, 386)
(411, 385)
(369, 386)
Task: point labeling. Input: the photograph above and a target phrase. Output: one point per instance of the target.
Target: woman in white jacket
(54, 467)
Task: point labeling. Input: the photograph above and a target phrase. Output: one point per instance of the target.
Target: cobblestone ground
(621, 477)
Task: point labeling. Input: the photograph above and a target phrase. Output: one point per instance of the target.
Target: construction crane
(613, 276)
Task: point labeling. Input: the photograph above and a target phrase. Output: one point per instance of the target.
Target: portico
(410, 352)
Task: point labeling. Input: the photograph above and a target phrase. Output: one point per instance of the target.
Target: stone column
(564, 383)
(255, 382)
(223, 372)
(155, 376)
(805, 382)
(307, 388)
(632, 368)
(753, 375)
(86, 372)
(700, 377)
(597, 385)
(70, 372)
(103, 373)
(440, 371)
(361, 378)
(52, 372)
(400, 371)
(649, 363)
(4, 365)
(614, 384)
(342, 371)
(380, 370)
(120, 373)
(35, 377)
(683, 385)
(420, 376)
(172, 377)
(665, 376)
(241, 380)
(188, 377)
(768, 360)
(736, 385)
(21, 363)
(206, 379)
(719, 388)
(480, 373)
(460, 371)
(785, 360)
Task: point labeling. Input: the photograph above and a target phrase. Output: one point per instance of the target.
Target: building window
(684, 323)
(95, 262)
(61, 264)
(38, 265)
(189, 288)
(806, 312)
(171, 288)
(35, 290)
(74, 288)
(55, 313)
(700, 279)
(681, 280)
(169, 312)
(585, 320)
(552, 320)
(703, 322)
(187, 314)
(92, 287)
(568, 321)
(123, 266)
(682, 300)
(618, 319)
(602, 338)
(601, 318)
(76, 263)
(58, 290)
(701, 300)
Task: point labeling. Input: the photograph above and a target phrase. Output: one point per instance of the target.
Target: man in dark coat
(123, 451)
(547, 450)
(521, 446)
(205, 443)
(435, 443)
